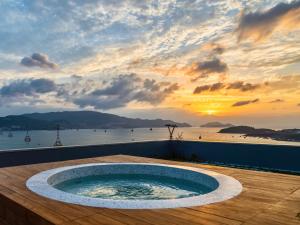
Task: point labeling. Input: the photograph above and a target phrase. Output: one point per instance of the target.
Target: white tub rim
(228, 187)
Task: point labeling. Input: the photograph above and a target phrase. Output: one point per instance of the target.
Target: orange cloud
(241, 103)
(215, 48)
(205, 68)
(196, 70)
(260, 25)
(238, 85)
(213, 87)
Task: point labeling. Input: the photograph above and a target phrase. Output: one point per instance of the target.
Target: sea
(46, 138)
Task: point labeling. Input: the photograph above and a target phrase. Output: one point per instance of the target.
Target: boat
(27, 138)
(10, 134)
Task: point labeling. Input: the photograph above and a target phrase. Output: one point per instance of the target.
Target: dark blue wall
(275, 157)
(155, 149)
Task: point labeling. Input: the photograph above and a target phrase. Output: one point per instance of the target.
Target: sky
(191, 61)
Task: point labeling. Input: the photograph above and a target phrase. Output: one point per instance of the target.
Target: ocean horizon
(46, 138)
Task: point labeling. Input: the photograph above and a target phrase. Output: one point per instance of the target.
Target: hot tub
(134, 185)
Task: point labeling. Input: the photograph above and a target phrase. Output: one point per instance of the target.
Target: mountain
(281, 135)
(217, 124)
(78, 120)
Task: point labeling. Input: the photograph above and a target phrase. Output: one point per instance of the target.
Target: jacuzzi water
(133, 187)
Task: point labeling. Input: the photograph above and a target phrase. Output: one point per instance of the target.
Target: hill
(281, 135)
(78, 120)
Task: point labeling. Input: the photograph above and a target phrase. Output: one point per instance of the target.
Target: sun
(210, 112)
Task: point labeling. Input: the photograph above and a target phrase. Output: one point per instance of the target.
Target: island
(78, 120)
(280, 135)
(217, 124)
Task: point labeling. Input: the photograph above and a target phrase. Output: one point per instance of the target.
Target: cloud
(241, 103)
(288, 83)
(39, 60)
(277, 101)
(155, 97)
(240, 85)
(202, 88)
(124, 89)
(216, 86)
(214, 48)
(99, 103)
(153, 85)
(214, 66)
(27, 87)
(213, 87)
(121, 86)
(76, 77)
(260, 25)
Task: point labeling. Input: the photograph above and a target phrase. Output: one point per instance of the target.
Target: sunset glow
(187, 60)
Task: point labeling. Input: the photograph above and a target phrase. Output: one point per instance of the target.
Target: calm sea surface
(90, 137)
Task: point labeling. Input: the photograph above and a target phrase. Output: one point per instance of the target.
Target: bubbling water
(132, 187)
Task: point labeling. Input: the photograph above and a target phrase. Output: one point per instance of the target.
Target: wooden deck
(267, 199)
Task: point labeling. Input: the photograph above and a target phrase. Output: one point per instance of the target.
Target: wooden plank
(196, 216)
(94, 219)
(122, 217)
(156, 218)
